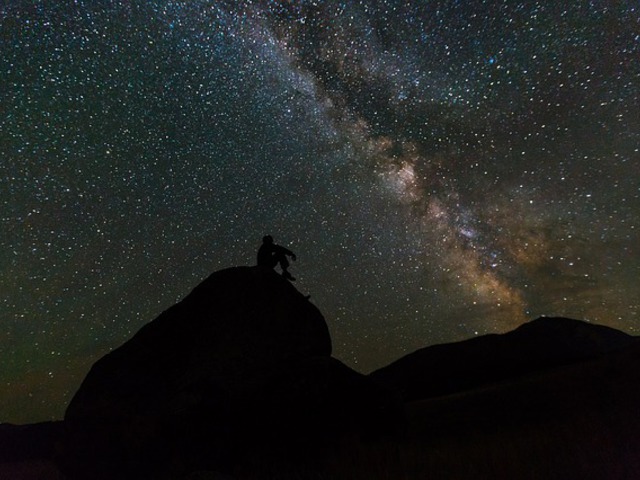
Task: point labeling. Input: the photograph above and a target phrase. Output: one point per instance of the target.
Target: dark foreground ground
(575, 422)
(237, 382)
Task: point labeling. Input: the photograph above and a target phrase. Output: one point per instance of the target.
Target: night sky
(442, 169)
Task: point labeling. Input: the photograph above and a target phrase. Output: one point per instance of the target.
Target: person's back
(265, 253)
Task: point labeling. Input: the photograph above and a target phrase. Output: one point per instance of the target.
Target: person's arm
(287, 252)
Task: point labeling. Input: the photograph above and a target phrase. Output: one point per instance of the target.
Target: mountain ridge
(537, 345)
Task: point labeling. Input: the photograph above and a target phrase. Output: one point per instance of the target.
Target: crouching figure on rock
(270, 255)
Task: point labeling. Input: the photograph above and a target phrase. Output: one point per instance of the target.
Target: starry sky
(442, 169)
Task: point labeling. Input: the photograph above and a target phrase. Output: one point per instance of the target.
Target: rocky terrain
(237, 381)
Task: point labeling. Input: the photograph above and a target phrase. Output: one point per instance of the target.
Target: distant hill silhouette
(535, 346)
(576, 421)
(27, 442)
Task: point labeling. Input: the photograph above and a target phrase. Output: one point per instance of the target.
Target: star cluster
(442, 169)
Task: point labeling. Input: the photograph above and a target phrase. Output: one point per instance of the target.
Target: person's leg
(283, 261)
(284, 265)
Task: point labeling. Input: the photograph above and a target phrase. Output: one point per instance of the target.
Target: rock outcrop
(243, 363)
(236, 327)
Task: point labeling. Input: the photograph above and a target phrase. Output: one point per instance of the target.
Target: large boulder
(233, 329)
(244, 359)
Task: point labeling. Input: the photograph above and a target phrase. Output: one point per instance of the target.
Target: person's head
(267, 239)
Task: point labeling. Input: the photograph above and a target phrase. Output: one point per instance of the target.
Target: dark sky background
(443, 169)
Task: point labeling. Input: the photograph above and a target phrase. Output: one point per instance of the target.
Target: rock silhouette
(237, 381)
(242, 360)
(535, 346)
(235, 326)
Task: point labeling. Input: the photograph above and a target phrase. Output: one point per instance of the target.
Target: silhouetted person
(270, 255)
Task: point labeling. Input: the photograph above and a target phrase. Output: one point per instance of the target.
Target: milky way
(442, 169)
